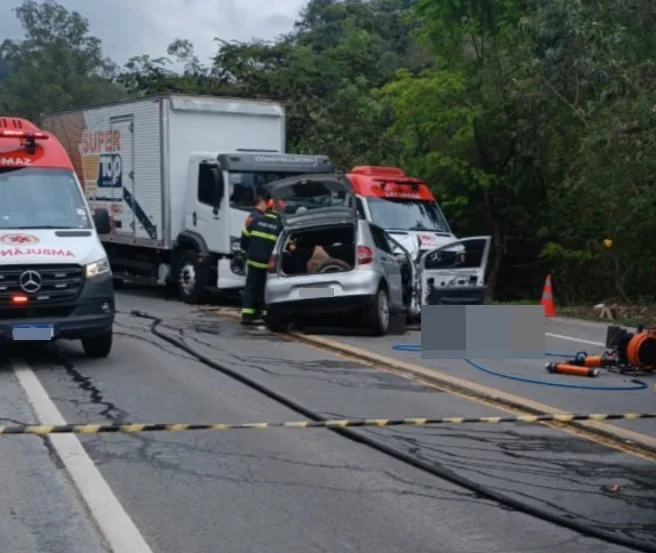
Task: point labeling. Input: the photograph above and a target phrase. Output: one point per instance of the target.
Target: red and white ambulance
(445, 269)
(55, 279)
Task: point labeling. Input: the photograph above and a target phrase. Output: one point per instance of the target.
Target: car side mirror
(219, 189)
(102, 221)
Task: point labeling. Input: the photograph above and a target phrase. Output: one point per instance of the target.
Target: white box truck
(178, 173)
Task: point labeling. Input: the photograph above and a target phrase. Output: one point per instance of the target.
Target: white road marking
(118, 529)
(572, 339)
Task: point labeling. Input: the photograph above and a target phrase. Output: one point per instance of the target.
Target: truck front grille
(60, 284)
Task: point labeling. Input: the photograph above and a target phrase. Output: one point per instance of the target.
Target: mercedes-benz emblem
(30, 281)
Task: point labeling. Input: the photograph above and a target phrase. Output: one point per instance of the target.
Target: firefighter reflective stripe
(246, 232)
(264, 232)
(264, 235)
(248, 311)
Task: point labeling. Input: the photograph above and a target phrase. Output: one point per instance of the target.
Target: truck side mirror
(219, 189)
(101, 221)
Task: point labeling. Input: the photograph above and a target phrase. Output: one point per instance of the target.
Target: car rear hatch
(314, 200)
(314, 204)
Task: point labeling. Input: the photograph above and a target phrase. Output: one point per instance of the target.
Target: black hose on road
(449, 476)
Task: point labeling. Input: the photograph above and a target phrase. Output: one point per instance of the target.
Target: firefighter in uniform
(259, 208)
(257, 240)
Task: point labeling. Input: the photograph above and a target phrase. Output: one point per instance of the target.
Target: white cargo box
(132, 156)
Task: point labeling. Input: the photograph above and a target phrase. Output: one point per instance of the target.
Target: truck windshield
(244, 185)
(394, 214)
(33, 197)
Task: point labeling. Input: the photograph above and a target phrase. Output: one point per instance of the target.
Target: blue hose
(638, 385)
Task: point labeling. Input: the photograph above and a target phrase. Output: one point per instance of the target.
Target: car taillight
(365, 255)
(272, 267)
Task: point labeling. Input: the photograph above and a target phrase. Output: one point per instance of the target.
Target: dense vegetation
(534, 122)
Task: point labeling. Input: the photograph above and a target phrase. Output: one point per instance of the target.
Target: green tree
(537, 125)
(593, 72)
(533, 122)
(57, 65)
(144, 75)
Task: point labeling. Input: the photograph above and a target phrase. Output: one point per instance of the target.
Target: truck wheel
(191, 278)
(378, 316)
(98, 346)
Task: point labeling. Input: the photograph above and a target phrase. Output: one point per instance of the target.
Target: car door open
(455, 273)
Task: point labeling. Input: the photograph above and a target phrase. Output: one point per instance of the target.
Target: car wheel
(98, 346)
(379, 313)
(191, 278)
(277, 323)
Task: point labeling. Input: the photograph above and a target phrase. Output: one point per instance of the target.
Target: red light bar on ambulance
(407, 181)
(379, 170)
(25, 135)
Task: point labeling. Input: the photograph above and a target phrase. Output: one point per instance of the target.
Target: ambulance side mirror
(101, 221)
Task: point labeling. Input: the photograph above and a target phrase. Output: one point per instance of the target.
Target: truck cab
(55, 278)
(178, 173)
(221, 188)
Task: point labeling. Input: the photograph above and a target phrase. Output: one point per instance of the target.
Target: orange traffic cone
(547, 299)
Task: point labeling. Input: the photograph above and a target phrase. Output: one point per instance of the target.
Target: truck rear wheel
(192, 277)
(98, 346)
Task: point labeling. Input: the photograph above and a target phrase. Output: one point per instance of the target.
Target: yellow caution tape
(132, 428)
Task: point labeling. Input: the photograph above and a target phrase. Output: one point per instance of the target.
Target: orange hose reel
(641, 350)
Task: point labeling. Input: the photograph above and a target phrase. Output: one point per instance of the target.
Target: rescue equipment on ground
(635, 385)
(626, 352)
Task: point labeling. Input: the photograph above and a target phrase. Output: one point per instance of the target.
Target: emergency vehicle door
(116, 174)
(455, 273)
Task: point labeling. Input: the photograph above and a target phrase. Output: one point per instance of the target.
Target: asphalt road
(267, 491)
(564, 392)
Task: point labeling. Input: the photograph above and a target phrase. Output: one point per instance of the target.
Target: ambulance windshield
(32, 198)
(404, 214)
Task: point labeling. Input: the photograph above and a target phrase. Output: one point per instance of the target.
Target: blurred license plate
(316, 292)
(33, 333)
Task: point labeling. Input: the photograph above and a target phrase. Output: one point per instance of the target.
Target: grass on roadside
(627, 315)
